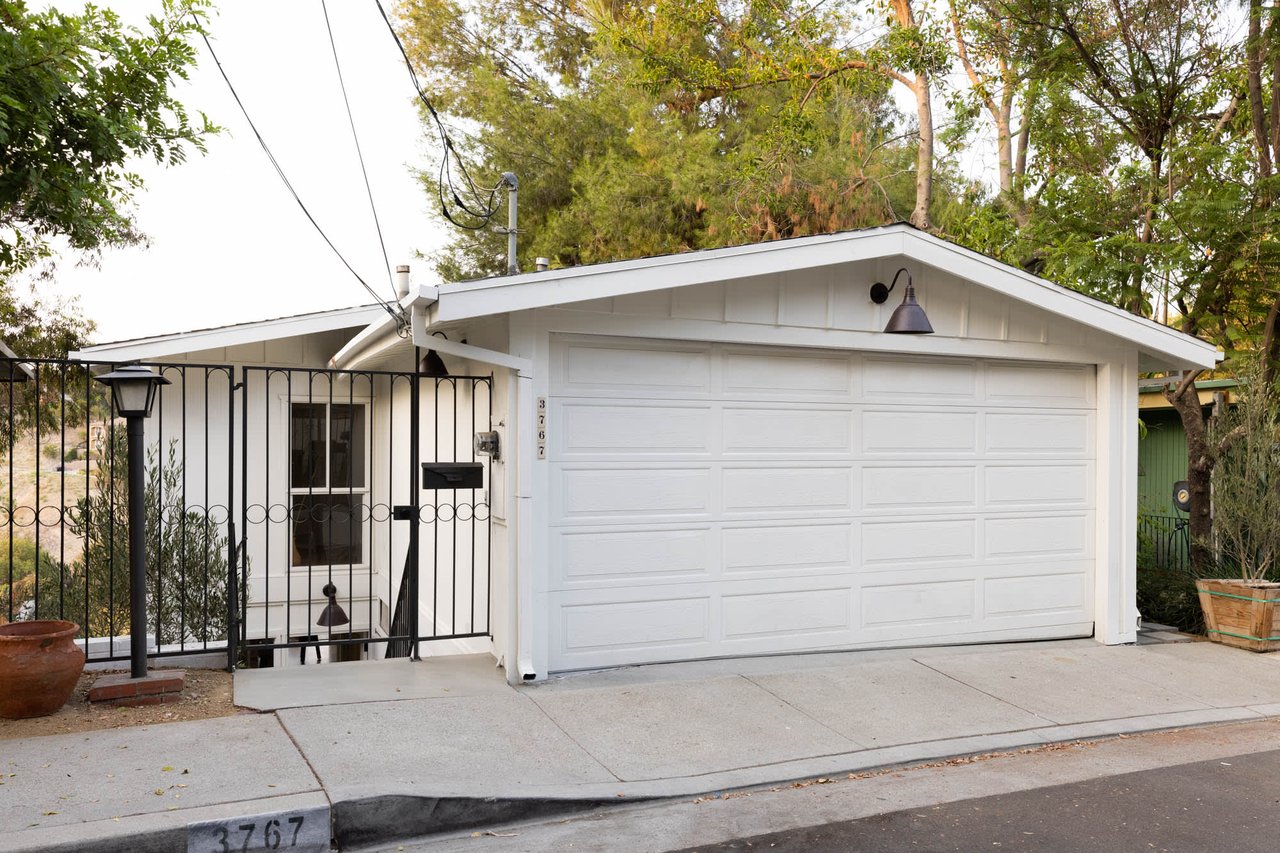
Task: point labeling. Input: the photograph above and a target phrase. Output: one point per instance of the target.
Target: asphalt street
(1219, 805)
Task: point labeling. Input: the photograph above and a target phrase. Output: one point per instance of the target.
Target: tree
(617, 160)
(80, 96)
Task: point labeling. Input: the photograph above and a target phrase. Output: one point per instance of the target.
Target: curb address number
(301, 831)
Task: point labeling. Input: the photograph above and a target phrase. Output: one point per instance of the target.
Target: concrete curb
(396, 817)
(156, 832)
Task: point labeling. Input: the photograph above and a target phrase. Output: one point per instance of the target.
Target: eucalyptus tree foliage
(618, 159)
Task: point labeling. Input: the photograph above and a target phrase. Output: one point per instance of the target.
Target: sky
(228, 243)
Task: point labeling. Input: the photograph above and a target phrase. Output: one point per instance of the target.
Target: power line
(356, 138)
(289, 185)
(487, 207)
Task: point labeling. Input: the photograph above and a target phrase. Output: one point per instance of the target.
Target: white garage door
(711, 500)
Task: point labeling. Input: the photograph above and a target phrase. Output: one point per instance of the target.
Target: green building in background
(1162, 452)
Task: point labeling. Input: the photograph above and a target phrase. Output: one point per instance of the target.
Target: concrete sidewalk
(447, 744)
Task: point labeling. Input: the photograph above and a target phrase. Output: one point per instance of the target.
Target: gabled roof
(159, 346)
(558, 287)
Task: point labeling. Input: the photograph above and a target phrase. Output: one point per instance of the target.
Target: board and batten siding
(710, 500)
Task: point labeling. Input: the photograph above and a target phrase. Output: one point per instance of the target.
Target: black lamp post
(133, 393)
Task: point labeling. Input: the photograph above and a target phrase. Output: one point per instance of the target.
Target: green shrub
(186, 562)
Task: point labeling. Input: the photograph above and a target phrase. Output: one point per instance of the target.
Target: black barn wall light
(908, 318)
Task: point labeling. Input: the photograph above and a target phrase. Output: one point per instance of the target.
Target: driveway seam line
(804, 713)
(306, 760)
(556, 723)
(989, 695)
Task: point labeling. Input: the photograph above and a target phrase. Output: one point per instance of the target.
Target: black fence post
(416, 504)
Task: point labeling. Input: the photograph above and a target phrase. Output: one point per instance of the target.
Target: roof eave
(1168, 347)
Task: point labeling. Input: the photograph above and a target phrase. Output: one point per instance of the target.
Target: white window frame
(362, 492)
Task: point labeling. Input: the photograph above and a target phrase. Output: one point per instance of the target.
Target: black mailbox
(453, 475)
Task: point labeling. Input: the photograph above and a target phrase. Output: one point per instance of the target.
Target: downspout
(522, 412)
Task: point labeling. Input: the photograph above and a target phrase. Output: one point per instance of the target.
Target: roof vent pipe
(402, 280)
(542, 264)
(513, 188)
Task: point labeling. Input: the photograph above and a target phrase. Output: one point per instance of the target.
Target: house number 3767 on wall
(296, 831)
(542, 427)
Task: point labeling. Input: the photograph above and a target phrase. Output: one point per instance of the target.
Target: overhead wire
(485, 208)
(364, 172)
(289, 185)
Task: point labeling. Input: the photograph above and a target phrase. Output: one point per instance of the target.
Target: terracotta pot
(39, 666)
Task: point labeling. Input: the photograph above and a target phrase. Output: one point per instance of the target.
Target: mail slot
(453, 475)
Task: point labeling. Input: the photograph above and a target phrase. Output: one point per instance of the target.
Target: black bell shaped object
(908, 318)
(333, 614)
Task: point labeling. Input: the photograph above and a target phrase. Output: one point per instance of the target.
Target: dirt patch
(207, 694)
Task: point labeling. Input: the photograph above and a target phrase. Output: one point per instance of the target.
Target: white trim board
(561, 287)
(228, 336)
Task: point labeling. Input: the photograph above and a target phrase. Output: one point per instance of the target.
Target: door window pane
(346, 446)
(306, 445)
(327, 530)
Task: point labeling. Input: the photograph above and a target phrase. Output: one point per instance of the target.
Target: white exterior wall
(367, 591)
(829, 308)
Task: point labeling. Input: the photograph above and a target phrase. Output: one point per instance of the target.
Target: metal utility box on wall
(452, 475)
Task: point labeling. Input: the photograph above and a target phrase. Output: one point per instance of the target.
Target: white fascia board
(159, 346)
(578, 284)
(1180, 349)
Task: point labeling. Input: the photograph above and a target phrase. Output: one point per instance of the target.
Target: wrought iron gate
(343, 548)
(263, 486)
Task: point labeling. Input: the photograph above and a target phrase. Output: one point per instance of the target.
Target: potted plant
(40, 664)
(1244, 611)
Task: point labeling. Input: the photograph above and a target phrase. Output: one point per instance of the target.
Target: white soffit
(161, 346)
(1161, 344)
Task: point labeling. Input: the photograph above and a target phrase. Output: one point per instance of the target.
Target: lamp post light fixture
(908, 318)
(133, 394)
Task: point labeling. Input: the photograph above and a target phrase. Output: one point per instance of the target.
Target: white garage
(734, 452)
(717, 499)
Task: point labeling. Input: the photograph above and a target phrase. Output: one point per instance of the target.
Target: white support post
(1116, 578)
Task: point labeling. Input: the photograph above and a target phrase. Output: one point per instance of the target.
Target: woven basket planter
(1241, 613)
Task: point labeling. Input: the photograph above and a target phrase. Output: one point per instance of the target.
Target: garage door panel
(596, 369)
(614, 557)
(621, 430)
(645, 625)
(634, 493)
(917, 433)
(794, 613)
(780, 500)
(919, 380)
(920, 487)
(1063, 593)
(786, 548)
(1060, 386)
(768, 376)
(1061, 535)
(908, 544)
(1046, 434)
(1068, 486)
(778, 431)
(787, 489)
(918, 603)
